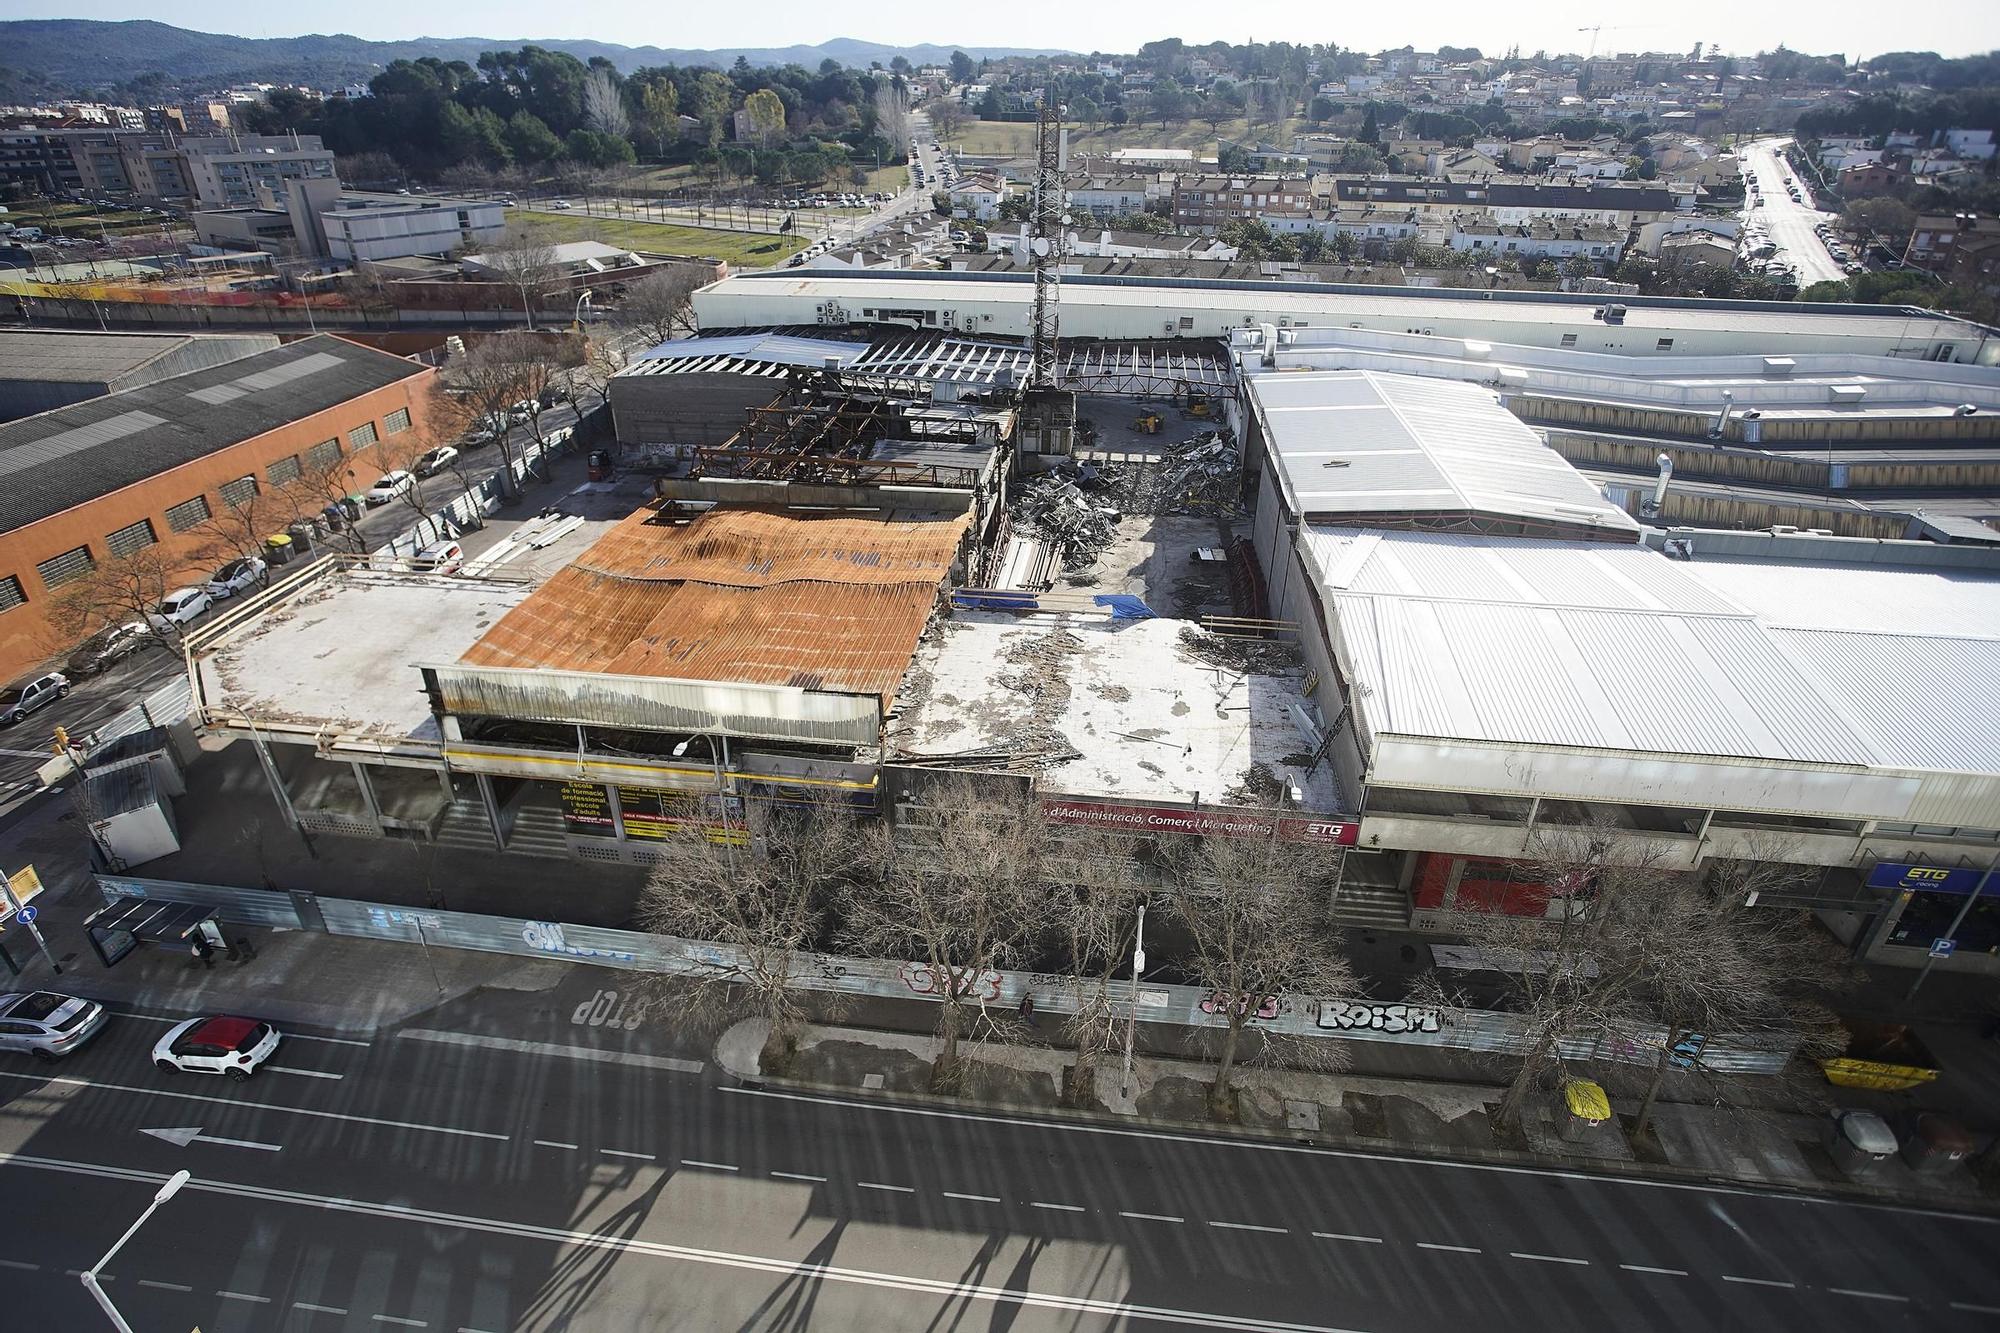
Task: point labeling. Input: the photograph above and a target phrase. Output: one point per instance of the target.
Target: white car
(388, 487)
(244, 572)
(180, 607)
(435, 461)
(219, 1045)
(562, 204)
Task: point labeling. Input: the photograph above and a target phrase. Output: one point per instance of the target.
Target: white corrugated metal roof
(1358, 442)
(1612, 647)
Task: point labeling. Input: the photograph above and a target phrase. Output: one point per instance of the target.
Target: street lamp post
(576, 320)
(1132, 1013)
(89, 1277)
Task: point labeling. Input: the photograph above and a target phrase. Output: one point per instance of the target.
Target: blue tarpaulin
(985, 599)
(1124, 606)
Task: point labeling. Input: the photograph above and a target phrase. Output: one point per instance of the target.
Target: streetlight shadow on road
(792, 1302)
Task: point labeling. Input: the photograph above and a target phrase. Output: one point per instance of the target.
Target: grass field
(1017, 138)
(746, 249)
(680, 177)
(67, 219)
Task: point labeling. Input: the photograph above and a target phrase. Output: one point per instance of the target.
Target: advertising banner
(586, 810)
(1119, 817)
(1928, 879)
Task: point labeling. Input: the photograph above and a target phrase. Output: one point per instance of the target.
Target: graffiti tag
(1352, 1015)
(923, 979)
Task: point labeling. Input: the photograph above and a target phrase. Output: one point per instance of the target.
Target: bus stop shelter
(118, 928)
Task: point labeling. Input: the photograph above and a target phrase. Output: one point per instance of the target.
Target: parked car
(47, 1025)
(563, 204)
(554, 394)
(220, 1045)
(180, 607)
(109, 645)
(486, 430)
(243, 572)
(30, 696)
(522, 410)
(431, 463)
(446, 557)
(388, 486)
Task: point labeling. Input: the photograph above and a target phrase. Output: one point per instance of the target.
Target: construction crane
(1596, 28)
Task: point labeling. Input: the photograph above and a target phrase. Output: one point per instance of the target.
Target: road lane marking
(1758, 1282)
(1152, 1217)
(170, 1020)
(24, 1266)
(550, 1048)
(301, 1073)
(1663, 1272)
(1250, 1226)
(799, 1175)
(793, 1269)
(1348, 1154)
(395, 1319)
(1970, 1308)
(1546, 1258)
(257, 1106)
(319, 1309)
(1056, 1207)
(619, 1152)
(1449, 1249)
(1343, 1235)
(709, 1166)
(187, 1134)
(892, 1189)
(165, 1286)
(1867, 1295)
(554, 1143)
(244, 1296)
(973, 1198)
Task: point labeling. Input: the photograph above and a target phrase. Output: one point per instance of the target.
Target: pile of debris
(1058, 513)
(1199, 476)
(1263, 656)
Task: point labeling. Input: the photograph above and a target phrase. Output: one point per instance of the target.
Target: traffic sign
(28, 915)
(1939, 948)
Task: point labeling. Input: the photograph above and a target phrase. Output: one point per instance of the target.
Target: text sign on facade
(1147, 819)
(1927, 879)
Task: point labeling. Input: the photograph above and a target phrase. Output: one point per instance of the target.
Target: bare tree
(892, 111)
(658, 308)
(1095, 889)
(526, 260)
(117, 589)
(444, 421)
(1250, 908)
(766, 897)
(961, 892)
(1627, 945)
(591, 375)
(604, 103)
(495, 373)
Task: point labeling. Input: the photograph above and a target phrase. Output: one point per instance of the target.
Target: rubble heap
(1263, 656)
(1199, 476)
(1058, 514)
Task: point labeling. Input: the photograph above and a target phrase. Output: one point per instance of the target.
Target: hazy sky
(1852, 27)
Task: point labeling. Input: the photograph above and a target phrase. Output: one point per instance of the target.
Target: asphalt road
(501, 1164)
(1790, 224)
(93, 700)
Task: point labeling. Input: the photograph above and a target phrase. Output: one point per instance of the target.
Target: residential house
(1206, 202)
(1542, 238)
(1934, 240)
(978, 196)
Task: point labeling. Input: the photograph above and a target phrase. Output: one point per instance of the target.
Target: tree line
(532, 107)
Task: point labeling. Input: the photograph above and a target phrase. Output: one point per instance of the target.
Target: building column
(491, 808)
(444, 780)
(276, 779)
(367, 792)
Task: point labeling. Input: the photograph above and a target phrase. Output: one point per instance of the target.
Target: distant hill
(83, 55)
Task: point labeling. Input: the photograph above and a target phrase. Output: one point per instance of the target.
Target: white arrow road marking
(187, 1134)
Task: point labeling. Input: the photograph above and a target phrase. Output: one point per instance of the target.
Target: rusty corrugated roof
(818, 601)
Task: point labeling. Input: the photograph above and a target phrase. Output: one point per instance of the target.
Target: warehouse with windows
(120, 474)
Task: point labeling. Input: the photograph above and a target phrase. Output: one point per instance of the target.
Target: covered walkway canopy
(116, 929)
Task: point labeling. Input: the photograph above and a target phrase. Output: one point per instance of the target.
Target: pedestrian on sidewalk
(1028, 1010)
(204, 952)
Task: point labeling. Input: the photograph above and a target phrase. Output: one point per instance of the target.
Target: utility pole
(1132, 1013)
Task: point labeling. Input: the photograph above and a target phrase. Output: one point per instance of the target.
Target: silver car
(47, 1025)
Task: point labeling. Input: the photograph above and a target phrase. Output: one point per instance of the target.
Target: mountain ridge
(91, 54)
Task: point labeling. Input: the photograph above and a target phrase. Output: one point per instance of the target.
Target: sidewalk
(1437, 1118)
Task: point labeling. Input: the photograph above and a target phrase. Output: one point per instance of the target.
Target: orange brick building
(110, 477)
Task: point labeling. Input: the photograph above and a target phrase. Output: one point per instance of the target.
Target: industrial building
(106, 478)
(43, 369)
(998, 305)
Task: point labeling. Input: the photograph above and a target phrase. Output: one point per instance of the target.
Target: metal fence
(471, 506)
(1187, 1006)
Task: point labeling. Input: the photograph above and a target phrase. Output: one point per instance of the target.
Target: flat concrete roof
(1148, 718)
(341, 655)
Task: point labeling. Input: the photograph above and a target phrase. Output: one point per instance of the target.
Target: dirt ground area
(1153, 558)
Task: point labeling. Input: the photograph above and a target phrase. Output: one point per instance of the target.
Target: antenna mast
(1048, 215)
